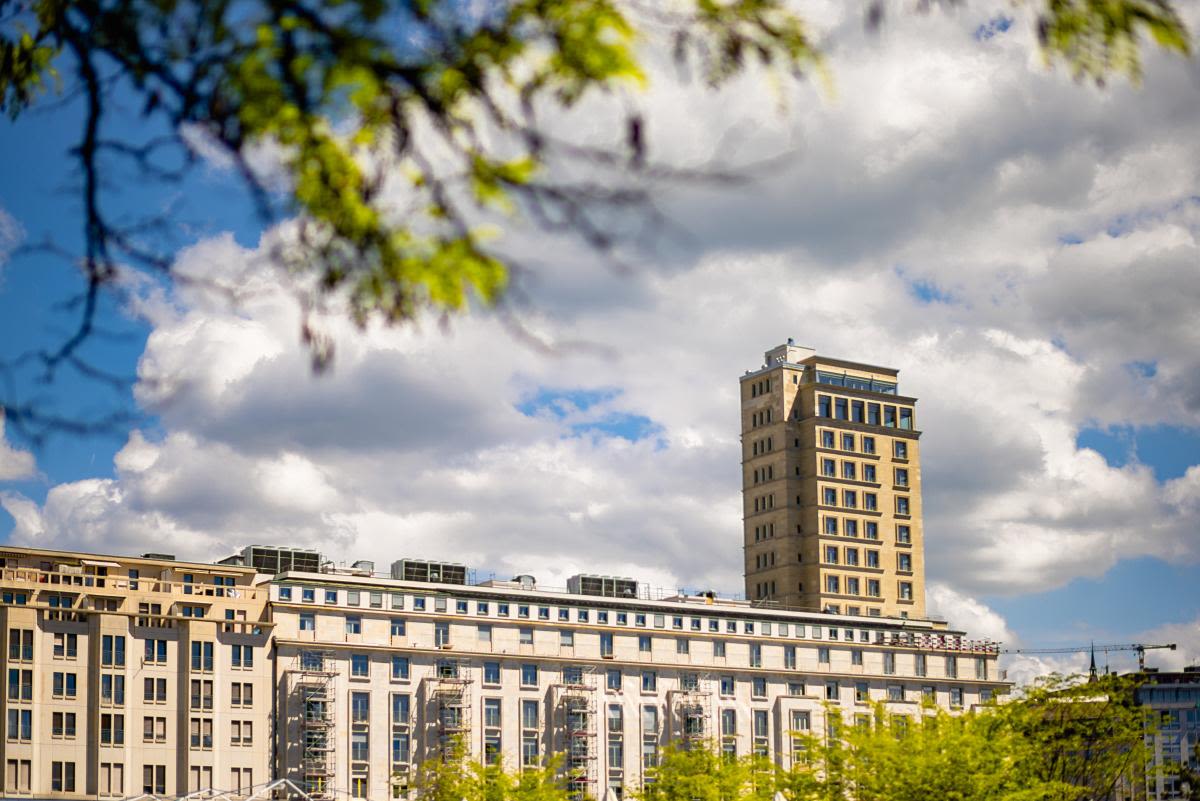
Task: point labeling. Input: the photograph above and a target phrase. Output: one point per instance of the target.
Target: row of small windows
(760, 446)
(872, 414)
(531, 675)
(849, 527)
(502, 609)
(854, 382)
(850, 472)
(760, 418)
(762, 474)
(763, 503)
(870, 500)
(834, 555)
(764, 532)
(483, 634)
(829, 441)
(112, 650)
(760, 387)
(853, 585)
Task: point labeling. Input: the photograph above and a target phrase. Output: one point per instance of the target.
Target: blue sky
(1022, 253)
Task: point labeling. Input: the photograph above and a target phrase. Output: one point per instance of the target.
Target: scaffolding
(452, 698)
(312, 679)
(689, 706)
(577, 720)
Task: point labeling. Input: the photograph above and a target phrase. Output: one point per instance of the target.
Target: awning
(99, 563)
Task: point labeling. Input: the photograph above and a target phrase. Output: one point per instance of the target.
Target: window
(543, 613)
(868, 443)
(491, 712)
(719, 648)
(831, 554)
(201, 693)
(758, 687)
(828, 468)
(952, 667)
(851, 528)
(981, 668)
(241, 694)
(308, 595)
(566, 638)
(529, 675)
(441, 634)
(921, 666)
(154, 779)
(956, 698)
(833, 584)
(889, 663)
(66, 646)
(64, 685)
(826, 439)
(852, 556)
(849, 470)
(904, 562)
(613, 679)
(20, 725)
(484, 634)
(873, 588)
(62, 777)
(400, 668)
(850, 499)
(900, 449)
(901, 505)
(360, 665)
(526, 636)
(308, 621)
(112, 728)
(832, 691)
(353, 624)
(831, 526)
(789, 657)
(285, 593)
(644, 643)
(823, 655)
(491, 673)
(649, 681)
(606, 644)
(829, 496)
(242, 656)
(904, 535)
(824, 404)
(331, 596)
(460, 607)
(847, 442)
(755, 655)
(682, 645)
(856, 657)
(397, 627)
(862, 692)
(839, 406)
(906, 591)
(872, 558)
(112, 651)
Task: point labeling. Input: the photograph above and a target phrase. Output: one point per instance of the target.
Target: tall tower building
(831, 486)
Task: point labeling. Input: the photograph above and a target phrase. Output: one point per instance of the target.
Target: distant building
(831, 486)
(1175, 696)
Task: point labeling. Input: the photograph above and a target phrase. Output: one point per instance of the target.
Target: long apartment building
(147, 675)
(831, 486)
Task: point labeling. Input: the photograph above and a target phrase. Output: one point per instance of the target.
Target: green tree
(701, 772)
(404, 128)
(459, 778)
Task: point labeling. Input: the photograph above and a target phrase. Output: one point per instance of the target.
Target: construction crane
(1141, 649)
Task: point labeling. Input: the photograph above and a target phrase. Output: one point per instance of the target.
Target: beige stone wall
(106, 603)
(784, 451)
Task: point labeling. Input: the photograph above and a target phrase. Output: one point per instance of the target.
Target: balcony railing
(60, 581)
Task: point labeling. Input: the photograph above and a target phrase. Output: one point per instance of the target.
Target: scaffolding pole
(311, 689)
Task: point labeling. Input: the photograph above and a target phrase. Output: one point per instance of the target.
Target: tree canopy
(1062, 739)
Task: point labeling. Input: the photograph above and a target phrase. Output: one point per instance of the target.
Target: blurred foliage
(1062, 739)
(399, 125)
